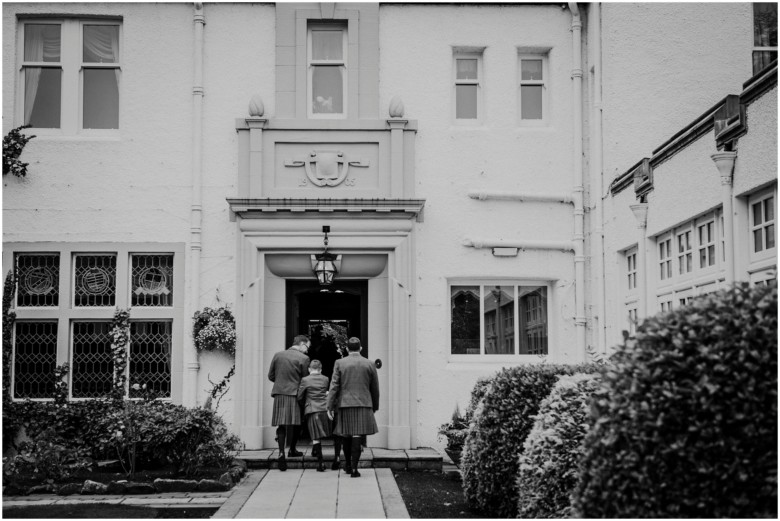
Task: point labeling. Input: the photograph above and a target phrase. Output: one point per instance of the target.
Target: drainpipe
(190, 396)
(579, 212)
(597, 187)
(724, 161)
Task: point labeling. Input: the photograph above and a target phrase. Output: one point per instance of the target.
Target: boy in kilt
(354, 392)
(287, 369)
(312, 393)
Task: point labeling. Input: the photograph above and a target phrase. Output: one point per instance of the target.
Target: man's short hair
(353, 344)
(316, 365)
(300, 339)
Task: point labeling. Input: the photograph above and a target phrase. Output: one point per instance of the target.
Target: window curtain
(41, 44)
(101, 45)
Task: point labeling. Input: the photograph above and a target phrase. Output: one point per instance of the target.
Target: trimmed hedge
(552, 451)
(685, 424)
(501, 422)
(139, 433)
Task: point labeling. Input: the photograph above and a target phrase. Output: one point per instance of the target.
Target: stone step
(423, 458)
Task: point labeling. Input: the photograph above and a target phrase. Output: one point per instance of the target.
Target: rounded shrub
(685, 423)
(552, 451)
(495, 437)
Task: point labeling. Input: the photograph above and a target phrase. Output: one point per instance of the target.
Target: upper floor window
(327, 70)
(468, 83)
(762, 222)
(706, 233)
(665, 257)
(498, 319)
(70, 74)
(684, 252)
(631, 269)
(764, 35)
(533, 88)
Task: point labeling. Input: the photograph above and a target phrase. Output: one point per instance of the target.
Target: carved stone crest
(326, 167)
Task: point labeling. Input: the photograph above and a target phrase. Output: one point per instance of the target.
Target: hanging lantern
(324, 264)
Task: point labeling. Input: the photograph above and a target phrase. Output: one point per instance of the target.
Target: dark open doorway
(340, 309)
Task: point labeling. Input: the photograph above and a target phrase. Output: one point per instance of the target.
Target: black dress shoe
(294, 453)
(355, 474)
(321, 468)
(334, 465)
(282, 464)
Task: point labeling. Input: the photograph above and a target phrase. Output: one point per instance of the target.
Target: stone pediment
(264, 208)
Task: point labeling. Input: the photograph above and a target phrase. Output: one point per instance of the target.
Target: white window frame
(533, 54)
(72, 76)
(706, 238)
(468, 53)
(632, 272)
(664, 248)
(482, 357)
(342, 64)
(684, 254)
(759, 48)
(65, 314)
(761, 198)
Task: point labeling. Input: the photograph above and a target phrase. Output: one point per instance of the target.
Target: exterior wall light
(325, 265)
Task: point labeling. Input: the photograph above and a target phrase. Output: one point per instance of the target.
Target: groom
(354, 393)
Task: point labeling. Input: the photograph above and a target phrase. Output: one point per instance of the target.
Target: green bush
(552, 451)
(496, 434)
(685, 424)
(139, 434)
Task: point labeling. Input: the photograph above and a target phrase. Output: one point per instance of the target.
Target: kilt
(318, 424)
(286, 410)
(355, 421)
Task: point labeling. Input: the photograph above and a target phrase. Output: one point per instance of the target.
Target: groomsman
(354, 394)
(287, 369)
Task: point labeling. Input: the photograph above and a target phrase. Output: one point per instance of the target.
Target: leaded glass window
(93, 364)
(150, 357)
(35, 357)
(95, 280)
(152, 280)
(38, 279)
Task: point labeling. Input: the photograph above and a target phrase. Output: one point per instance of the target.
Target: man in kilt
(287, 369)
(354, 392)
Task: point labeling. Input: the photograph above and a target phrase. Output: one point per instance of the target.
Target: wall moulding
(547, 197)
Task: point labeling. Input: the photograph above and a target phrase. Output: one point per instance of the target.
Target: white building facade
(462, 156)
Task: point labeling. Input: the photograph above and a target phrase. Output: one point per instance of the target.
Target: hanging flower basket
(214, 329)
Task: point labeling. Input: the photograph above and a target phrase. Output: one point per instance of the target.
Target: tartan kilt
(286, 410)
(318, 424)
(355, 421)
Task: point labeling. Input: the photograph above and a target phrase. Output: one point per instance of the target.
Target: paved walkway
(308, 494)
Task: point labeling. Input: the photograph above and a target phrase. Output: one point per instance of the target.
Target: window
(632, 321)
(684, 252)
(468, 76)
(762, 223)
(706, 236)
(665, 258)
(631, 269)
(533, 87)
(499, 319)
(666, 305)
(70, 74)
(327, 70)
(764, 35)
(77, 327)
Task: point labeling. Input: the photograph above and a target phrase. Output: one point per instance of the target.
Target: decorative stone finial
(396, 107)
(256, 108)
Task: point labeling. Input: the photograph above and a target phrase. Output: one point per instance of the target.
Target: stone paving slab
(392, 501)
(241, 493)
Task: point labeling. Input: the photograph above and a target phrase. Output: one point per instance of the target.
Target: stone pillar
(397, 125)
(256, 124)
(640, 212)
(724, 161)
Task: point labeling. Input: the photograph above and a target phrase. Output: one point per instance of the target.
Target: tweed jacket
(354, 384)
(314, 390)
(287, 369)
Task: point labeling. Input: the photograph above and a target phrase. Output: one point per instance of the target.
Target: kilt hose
(355, 421)
(286, 410)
